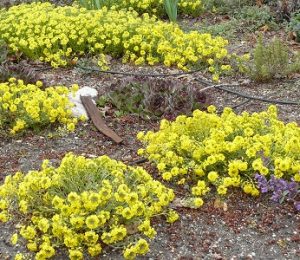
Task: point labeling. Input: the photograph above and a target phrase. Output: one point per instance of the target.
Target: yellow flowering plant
(59, 35)
(84, 206)
(24, 106)
(185, 7)
(223, 151)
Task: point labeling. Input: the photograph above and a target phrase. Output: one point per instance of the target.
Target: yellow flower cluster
(186, 7)
(224, 151)
(27, 106)
(83, 205)
(59, 34)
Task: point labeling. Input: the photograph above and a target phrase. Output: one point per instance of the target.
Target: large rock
(79, 110)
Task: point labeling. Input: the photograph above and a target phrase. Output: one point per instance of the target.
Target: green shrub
(271, 60)
(254, 17)
(84, 206)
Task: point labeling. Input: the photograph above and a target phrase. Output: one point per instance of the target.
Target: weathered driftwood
(94, 114)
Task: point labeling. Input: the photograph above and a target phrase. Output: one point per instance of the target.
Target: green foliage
(156, 98)
(243, 20)
(295, 25)
(294, 66)
(3, 51)
(171, 9)
(92, 4)
(226, 29)
(254, 17)
(271, 60)
(225, 6)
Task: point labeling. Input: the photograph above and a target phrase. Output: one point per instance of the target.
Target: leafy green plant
(155, 98)
(254, 17)
(171, 9)
(225, 6)
(3, 51)
(226, 29)
(295, 25)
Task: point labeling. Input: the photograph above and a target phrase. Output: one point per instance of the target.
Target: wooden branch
(94, 114)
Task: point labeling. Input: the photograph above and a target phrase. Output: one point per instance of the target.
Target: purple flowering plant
(281, 189)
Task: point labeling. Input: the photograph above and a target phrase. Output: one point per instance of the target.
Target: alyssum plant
(84, 207)
(208, 151)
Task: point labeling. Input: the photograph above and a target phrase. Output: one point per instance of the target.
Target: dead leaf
(291, 36)
(264, 28)
(219, 204)
(179, 203)
(281, 243)
(259, 3)
(132, 229)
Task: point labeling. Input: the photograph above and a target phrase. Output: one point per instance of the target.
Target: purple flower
(293, 188)
(262, 183)
(280, 188)
(297, 205)
(276, 196)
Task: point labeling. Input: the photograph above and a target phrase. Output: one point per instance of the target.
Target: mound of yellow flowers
(25, 106)
(60, 34)
(208, 150)
(84, 205)
(186, 7)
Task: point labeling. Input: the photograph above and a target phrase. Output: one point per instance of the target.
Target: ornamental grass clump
(208, 151)
(59, 35)
(84, 207)
(24, 106)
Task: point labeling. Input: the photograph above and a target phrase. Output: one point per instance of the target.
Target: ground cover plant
(272, 60)
(84, 205)
(59, 34)
(281, 189)
(24, 106)
(153, 99)
(226, 151)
